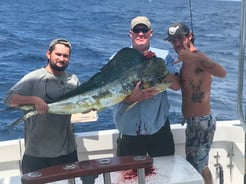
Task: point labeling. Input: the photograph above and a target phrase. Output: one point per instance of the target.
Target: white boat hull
(227, 155)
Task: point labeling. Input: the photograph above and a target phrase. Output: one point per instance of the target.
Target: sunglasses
(138, 30)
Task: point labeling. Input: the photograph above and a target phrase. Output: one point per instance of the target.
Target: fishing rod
(191, 19)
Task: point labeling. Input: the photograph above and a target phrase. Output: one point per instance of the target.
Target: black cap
(177, 29)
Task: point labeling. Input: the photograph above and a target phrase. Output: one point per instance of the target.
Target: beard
(58, 68)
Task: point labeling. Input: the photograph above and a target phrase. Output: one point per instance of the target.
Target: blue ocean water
(97, 29)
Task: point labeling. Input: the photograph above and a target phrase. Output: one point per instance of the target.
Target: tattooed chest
(192, 84)
(196, 91)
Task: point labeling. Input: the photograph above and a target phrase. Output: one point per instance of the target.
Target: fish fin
(131, 106)
(10, 109)
(111, 71)
(6, 109)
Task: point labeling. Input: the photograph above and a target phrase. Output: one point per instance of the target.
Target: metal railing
(241, 76)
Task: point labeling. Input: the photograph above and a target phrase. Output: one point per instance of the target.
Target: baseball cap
(177, 29)
(140, 20)
(60, 41)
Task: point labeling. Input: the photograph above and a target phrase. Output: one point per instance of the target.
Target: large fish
(115, 81)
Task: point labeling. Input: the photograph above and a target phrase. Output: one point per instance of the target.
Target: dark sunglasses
(138, 30)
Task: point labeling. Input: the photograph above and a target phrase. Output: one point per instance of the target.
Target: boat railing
(242, 114)
(90, 168)
(241, 65)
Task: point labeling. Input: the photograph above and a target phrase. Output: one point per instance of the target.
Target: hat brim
(148, 26)
(173, 36)
(168, 38)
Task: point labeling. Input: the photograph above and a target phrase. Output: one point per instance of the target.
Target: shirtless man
(196, 78)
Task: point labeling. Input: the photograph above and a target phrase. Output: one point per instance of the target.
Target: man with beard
(196, 76)
(49, 138)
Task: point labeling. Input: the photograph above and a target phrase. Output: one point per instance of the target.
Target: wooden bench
(89, 168)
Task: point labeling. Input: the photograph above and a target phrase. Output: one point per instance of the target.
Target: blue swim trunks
(199, 137)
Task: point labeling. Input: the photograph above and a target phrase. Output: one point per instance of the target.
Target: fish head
(154, 73)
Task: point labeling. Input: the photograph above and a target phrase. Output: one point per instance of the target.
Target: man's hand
(149, 54)
(139, 94)
(40, 105)
(185, 55)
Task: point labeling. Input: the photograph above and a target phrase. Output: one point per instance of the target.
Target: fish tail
(8, 109)
(30, 114)
(21, 119)
(15, 123)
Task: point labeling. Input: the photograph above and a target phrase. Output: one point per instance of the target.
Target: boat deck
(169, 169)
(227, 151)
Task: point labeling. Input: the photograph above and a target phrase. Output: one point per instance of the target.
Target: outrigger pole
(242, 114)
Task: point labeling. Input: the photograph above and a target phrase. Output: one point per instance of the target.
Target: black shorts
(30, 163)
(158, 144)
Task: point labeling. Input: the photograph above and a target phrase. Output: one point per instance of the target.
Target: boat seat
(90, 167)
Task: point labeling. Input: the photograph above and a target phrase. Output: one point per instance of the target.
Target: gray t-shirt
(48, 135)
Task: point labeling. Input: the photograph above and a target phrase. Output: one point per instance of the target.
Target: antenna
(191, 23)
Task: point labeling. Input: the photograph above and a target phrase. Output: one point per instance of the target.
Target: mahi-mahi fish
(112, 84)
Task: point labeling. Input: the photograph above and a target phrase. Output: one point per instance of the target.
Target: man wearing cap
(49, 139)
(145, 128)
(196, 78)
